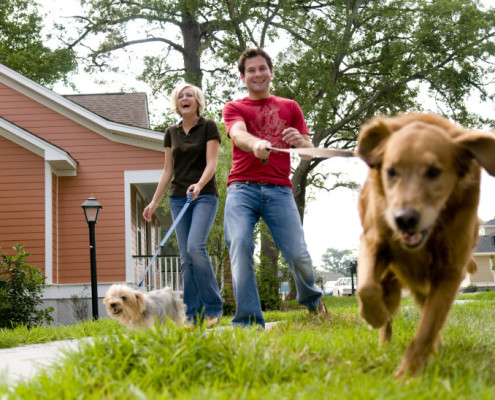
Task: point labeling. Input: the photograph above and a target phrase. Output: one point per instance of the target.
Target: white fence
(165, 271)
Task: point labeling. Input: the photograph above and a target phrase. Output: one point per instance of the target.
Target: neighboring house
(484, 255)
(55, 152)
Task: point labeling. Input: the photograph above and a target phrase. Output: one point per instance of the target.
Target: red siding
(22, 201)
(100, 174)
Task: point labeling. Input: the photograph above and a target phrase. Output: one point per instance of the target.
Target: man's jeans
(201, 294)
(244, 206)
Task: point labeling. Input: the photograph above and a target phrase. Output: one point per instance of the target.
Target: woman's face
(187, 103)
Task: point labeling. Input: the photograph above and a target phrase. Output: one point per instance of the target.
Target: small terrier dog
(138, 310)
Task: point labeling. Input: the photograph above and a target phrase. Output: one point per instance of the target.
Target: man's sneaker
(190, 325)
(211, 322)
(321, 310)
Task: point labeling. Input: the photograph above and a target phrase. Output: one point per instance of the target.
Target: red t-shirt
(266, 119)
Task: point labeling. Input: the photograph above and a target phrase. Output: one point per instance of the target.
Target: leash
(165, 238)
(316, 152)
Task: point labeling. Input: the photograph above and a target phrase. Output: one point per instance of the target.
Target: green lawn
(301, 357)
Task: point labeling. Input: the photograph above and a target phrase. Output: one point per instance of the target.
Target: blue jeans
(201, 294)
(244, 206)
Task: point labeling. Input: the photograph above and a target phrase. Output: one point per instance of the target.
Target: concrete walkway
(24, 362)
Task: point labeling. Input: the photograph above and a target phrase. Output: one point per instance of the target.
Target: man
(259, 186)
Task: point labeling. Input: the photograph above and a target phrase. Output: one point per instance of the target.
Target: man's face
(257, 76)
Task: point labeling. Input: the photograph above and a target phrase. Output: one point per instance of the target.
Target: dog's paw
(414, 359)
(372, 307)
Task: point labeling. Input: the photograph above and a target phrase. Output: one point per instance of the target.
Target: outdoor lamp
(91, 209)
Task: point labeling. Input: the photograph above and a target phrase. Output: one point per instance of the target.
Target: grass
(302, 357)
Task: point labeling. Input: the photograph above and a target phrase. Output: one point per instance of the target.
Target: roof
(115, 131)
(486, 244)
(62, 162)
(125, 108)
(489, 223)
(330, 276)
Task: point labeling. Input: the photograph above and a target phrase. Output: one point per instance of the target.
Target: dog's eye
(391, 172)
(124, 298)
(433, 172)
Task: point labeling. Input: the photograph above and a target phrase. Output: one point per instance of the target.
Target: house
(57, 151)
(484, 254)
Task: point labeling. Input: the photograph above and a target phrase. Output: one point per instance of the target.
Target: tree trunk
(299, 183)
(268, 280)
(191, 34)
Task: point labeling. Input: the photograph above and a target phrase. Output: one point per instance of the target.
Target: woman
(191, 152)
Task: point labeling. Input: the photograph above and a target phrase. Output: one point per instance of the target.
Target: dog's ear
(481, 146)
(371, 139)
(140, 301)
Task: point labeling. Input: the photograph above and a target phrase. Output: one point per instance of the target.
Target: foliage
(348, 61)
(301, 357)
(338, 261)
(21, 287)
(22, 45)
(267, 275)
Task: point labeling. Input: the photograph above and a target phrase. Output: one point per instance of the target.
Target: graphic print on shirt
(268, 125)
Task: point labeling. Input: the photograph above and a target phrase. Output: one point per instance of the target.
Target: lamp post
(353, 271)
(91, 209)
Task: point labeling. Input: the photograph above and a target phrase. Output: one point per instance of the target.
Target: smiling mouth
(414, 240)
(115, 311)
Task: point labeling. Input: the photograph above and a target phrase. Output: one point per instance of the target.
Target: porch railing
(165, 271)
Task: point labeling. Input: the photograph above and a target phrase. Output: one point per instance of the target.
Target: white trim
(48, 224)
(66, 291)
(139, 137)
(130, 178)
(61, 161)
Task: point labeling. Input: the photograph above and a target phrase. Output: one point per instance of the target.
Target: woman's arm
(165, 179)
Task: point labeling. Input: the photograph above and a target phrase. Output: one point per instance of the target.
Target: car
(328, 287)
(343, 287)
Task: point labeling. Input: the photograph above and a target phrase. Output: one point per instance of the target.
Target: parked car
(343, 287)
(329, 288)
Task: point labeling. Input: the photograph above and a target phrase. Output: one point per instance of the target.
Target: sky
(331, 219)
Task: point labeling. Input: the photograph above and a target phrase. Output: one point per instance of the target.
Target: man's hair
(198, 94)
(250, 53)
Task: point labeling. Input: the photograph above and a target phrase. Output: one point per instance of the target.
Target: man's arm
(247, 142)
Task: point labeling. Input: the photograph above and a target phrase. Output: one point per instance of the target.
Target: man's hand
(293, 137)
(259, 149)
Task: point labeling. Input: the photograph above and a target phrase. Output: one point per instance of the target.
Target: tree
(22, 48)
(345, 61)
(350, 60)
(338, 261)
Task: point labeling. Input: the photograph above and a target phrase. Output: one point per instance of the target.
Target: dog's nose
(113, 305)
(406, 219)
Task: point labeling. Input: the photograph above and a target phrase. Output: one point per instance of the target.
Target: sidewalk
(24, 362)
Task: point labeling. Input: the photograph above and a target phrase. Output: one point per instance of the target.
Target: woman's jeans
(201, 294)
(244, 206)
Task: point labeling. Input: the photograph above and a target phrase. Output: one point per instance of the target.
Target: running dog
(139, 310)
(418, 209)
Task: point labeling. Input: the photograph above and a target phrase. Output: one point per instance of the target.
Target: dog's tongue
(412, 239)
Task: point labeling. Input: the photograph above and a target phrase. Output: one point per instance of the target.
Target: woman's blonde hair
(198, 94)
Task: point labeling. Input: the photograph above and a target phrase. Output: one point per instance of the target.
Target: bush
(21, 287)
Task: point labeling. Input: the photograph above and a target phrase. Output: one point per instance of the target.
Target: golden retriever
(418, 209)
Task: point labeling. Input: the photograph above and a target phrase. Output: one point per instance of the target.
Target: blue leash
(165, 238)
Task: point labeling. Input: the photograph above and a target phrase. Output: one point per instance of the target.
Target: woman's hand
(195, 188)
(149, 210)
